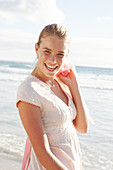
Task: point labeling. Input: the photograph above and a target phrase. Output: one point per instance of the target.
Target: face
(51, 53)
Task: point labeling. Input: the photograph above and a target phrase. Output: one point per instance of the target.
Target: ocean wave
(101, 82)
(10, 70)
(97, 82)
(101, 88)
(99, 161)
(13, 144)
(5, 77)
(97, 78)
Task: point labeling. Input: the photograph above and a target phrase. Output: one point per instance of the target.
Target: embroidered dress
(57, 120)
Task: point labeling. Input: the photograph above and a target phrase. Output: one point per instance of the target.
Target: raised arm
(81, 120)
(31, 118)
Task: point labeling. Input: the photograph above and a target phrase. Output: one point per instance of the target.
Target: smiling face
(52, 52)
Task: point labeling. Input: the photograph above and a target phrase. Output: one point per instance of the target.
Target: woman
(51, 107)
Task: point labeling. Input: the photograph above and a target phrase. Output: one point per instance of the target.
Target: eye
(47, 52)
(60, 55)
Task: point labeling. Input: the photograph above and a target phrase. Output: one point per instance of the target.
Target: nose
(53, 58)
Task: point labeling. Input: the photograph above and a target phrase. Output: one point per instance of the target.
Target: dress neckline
(67, 95)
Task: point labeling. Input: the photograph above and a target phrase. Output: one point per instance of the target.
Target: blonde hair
(55, 29)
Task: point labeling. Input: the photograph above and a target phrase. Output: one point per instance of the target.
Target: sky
(90, 23)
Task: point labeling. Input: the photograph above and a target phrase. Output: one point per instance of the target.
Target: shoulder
(30, 84)
(28, 91)
(24, 86)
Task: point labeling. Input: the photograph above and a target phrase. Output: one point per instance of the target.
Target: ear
(36, 47)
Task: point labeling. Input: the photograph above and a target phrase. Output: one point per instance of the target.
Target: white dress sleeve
(27, 93)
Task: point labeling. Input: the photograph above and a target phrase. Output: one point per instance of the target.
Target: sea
(97, 88)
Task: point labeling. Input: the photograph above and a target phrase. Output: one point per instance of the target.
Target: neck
(48, 80)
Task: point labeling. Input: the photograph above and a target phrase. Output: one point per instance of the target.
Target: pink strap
(26, 158)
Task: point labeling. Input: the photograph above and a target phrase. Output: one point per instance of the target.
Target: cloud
(92, 51)
(101, 19)
(17, 45)
(15, 38)
(32, 10)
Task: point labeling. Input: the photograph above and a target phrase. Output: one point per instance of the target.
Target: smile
(51, 68)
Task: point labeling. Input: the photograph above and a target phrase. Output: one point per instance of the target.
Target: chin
(51, 74)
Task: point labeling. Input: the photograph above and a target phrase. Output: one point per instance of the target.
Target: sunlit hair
(55, 29)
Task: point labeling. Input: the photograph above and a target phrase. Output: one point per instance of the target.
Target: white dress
(57, 120)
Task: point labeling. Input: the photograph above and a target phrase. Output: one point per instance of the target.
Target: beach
(97, 89)
(8, 162)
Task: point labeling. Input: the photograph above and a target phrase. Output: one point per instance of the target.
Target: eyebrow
(45, 48)
(61, 52)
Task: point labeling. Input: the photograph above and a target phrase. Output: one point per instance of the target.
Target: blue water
(97, 88)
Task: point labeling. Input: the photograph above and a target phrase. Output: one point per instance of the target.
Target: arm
(31, 118)
(81, 120)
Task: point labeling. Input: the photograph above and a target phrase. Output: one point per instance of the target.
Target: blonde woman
(51, 107)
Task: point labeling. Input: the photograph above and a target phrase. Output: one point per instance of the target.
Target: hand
(70, 79)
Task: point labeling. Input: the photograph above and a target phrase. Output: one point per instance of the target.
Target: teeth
(51, 67)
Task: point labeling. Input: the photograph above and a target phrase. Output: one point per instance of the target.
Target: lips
(51, 68)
